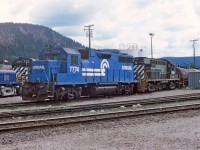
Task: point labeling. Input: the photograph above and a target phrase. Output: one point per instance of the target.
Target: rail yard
(100, 75)
(69, 87)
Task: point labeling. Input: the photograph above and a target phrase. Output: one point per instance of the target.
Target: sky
(118, 24)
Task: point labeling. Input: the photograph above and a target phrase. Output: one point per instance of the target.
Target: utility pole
(151, 35)
(193, 45)
(88, 30)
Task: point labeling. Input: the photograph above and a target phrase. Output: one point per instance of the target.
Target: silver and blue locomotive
(69, 73)
(9, 86)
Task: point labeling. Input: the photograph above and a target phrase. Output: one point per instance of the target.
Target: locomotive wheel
(128, 90)
(56, 97)
(41, 98)
(159, 87)
(123, 92)
(151, 88)
(70, 96)
(172, 86)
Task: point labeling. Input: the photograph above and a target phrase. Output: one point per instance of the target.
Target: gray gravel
(166, 131)
(153, 132)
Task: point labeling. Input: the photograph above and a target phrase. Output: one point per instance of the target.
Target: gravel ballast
(164, 131)
(180, 130)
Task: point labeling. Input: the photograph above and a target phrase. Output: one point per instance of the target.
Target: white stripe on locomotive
(93, 72)
(139, 72)
(21, 71)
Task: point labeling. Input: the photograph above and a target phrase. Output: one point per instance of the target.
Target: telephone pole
(194, 41)
(151, 35)
(88, 30)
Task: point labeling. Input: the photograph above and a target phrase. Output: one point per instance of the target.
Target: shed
(194, 79)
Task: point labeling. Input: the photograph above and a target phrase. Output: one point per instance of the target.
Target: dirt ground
(171, 131)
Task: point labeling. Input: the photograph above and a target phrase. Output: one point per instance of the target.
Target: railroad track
(88, 107)
(42, 103)
(142, 101)
(7, 126)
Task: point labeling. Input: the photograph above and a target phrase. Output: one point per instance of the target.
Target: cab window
(74, 60)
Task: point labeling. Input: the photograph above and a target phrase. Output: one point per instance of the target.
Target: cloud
(196, 7)
(142, 3)
(60, 13)
(115, 22)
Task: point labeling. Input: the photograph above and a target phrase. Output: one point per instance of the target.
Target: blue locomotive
(8, 84)
(69, 73)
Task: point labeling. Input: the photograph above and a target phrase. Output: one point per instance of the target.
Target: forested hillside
(26, 40)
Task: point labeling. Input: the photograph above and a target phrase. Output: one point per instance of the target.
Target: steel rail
(7, 126)
(107, 105)
(139, 101)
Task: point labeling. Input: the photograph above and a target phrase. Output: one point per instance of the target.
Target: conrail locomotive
(9, 86)
(22, 68)
(69, 73)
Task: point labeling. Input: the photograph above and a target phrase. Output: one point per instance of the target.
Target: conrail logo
(38, 67)
(104, 64)
(127, 68)
(96, 71)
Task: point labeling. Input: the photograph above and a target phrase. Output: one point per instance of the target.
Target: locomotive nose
(34, 91)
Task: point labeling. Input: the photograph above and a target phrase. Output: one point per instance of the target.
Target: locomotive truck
(69, 73)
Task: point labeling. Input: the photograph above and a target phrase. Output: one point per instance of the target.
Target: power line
(89, 33)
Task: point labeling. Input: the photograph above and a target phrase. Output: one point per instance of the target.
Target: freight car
(8, 84)
(183, 75)
(155, 74)
(67, 73)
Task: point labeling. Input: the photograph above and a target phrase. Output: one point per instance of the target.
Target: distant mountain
(26, 40)
(186, 62)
